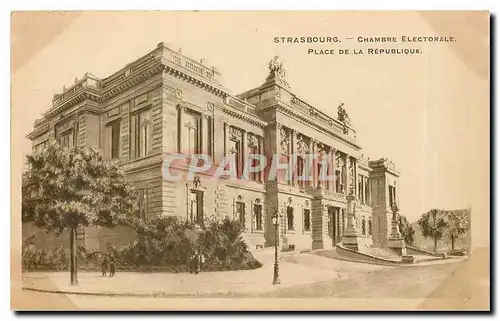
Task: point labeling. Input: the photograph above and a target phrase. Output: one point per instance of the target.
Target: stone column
(244, 151)
(350, 236)
(205, 134)
(293, 154)
(262, 173)
(355, 170)
(347, 184)
(277, 139)
(180, 125)
(312, 148)
(333, 169)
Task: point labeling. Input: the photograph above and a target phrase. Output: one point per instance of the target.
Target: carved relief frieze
(252, 140)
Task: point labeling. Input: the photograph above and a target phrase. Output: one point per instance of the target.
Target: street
(422, 286)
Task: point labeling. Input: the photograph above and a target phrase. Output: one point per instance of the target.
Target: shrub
(163, 244)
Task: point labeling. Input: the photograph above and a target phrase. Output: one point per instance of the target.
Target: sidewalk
(207, 284)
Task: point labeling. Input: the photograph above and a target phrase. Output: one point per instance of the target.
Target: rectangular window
(307, 220)
(391, 199)
(197, 208)
(240, 212)
(40, 147)
(66, 139)
(115, 127)
(235, 148)
(257, 209)
(141, 133)
(191, 133)
(254, 176)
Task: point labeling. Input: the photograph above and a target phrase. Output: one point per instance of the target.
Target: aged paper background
(430, 113)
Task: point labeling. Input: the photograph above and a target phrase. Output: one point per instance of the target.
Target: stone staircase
(384, 253)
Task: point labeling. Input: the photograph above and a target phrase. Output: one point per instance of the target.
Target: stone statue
(276, 67)
(342, 115)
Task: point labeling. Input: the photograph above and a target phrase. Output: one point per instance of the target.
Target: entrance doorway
(334, 227)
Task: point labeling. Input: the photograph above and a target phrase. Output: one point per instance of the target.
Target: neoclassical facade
(166, 103)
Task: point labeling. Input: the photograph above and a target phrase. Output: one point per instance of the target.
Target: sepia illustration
(147, 181)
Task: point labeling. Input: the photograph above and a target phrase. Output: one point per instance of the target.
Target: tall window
(254, 176)
(197, 207)
(240, 213)
(142, 200)
(300, 171)
(289, 218)
(363, 227)
(366, 186)
(115, 138)
(391, 195)
(257, 210)
(338, 182)
(41, 146)
(141, 133)
(307, 220)
(369, 227)
(361, 195)
(191, 128)
(236, 148)
(66, 139)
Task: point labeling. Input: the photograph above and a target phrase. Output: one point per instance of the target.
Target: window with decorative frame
(113, 129)
(257, 212)
(65, 139)
(236, 148)
(240, 213)
(141, 133)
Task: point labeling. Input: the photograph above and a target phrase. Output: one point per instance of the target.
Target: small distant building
(166, 103)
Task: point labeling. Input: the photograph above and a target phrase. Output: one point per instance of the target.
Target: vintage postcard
(258, 160)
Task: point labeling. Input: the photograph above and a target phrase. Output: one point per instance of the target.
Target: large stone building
(166, 103)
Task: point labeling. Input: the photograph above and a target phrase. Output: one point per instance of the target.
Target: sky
(428, 113)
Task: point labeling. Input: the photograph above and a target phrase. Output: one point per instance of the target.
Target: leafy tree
(457, 224)
(406, 230)
(433, 224)
(70, 188)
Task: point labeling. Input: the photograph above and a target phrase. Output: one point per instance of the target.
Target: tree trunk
(435, 244)
(73, 257)
(452, 243)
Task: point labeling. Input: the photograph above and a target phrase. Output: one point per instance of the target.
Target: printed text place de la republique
(362, 39)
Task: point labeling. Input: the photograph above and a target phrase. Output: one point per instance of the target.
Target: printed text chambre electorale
(362, 39)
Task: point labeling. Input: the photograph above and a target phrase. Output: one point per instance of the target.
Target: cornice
(242, 115)
(195, 80)
(130, 81)
(77, 98)
(290, 112)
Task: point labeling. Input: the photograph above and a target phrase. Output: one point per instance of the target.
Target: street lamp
(276, 223)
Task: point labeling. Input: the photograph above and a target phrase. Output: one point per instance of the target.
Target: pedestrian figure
(195, 263)
(202, 260)
(112, 267)
(104, 265)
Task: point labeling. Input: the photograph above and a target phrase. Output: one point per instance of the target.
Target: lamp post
(275, 218)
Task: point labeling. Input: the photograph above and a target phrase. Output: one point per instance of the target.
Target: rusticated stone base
(397, 245)
(351, 242)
